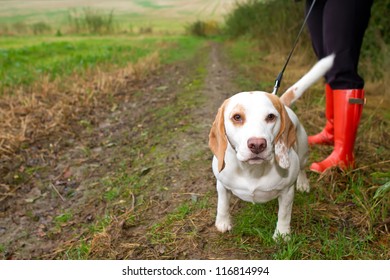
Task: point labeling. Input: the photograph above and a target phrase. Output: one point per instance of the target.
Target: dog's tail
(318, 70)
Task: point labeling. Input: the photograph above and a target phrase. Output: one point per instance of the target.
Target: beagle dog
(260, 149)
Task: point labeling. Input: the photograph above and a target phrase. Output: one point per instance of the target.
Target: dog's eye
(237, 118)
(271, 118)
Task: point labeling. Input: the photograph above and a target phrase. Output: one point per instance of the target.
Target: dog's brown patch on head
(237, 115)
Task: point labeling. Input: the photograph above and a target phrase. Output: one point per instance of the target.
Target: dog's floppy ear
(286, 136)
(217, 137)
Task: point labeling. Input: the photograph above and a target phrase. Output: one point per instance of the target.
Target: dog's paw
(223, 224)
(302, 182)
(285, 236)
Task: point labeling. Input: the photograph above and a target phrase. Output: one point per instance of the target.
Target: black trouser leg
(338, 26)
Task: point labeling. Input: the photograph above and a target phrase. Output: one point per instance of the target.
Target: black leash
(279, 78)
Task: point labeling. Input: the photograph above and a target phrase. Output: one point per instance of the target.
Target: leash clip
(277, 83)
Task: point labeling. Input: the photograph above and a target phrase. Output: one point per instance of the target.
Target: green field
(25, 60)
(65, 45)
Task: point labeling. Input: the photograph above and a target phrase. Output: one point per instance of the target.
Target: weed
(79, 252)
(100, 224)
(164, 232)
(63, 218)
(111, 194)
(291, 249)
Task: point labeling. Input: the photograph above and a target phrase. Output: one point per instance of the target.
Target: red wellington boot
(348, 106)
(326, 136)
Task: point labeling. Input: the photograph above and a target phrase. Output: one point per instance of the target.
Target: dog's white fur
(271, 171)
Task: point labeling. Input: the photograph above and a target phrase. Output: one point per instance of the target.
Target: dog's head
(257, 126)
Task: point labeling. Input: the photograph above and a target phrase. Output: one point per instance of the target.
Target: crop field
(104, 123)
(163, 15)
(13, 10)
(24, 60)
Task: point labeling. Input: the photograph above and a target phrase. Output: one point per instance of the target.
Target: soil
(56, 192)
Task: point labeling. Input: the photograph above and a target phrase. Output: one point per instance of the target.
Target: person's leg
(315, 26)
(326, 136)
(345, 22)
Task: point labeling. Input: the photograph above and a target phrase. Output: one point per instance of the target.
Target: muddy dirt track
(154, 143)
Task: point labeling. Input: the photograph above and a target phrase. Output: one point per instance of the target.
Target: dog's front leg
(284, 215)
(223, 222)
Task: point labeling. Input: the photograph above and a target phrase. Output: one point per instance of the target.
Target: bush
(19, 27)
(40, 28)
(146, 30)
(91, 21)
(4, 29)
(376, 44)
(277, 20)
(275, 23)
(203, 28)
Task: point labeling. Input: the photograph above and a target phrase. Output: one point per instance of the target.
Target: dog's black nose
(257, 145)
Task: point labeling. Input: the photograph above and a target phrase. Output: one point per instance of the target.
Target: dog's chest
(257, 187)
(257, 190)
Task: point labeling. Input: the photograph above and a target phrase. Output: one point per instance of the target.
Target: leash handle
(279, 78)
